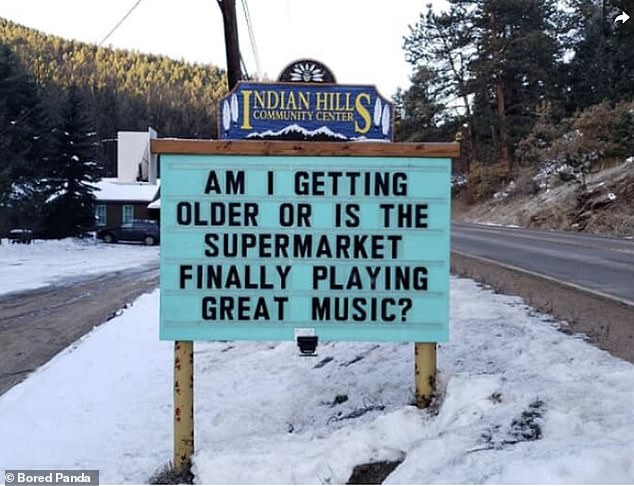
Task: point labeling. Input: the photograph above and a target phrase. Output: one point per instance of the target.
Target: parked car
(145, 230)
(20, 235)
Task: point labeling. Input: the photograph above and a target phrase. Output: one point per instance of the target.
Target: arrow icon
(624, 17)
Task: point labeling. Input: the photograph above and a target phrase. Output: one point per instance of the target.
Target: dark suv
(145, 230)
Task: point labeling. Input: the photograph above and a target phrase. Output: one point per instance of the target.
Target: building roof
(111, 190)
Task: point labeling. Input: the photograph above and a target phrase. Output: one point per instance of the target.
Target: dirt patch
(167, 475)
(606, 207)
(372, 472)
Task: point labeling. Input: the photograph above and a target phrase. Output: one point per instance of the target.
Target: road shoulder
(607, 322)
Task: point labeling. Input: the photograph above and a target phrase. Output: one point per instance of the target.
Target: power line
(254, 46)
(136, 4)
(244, 68)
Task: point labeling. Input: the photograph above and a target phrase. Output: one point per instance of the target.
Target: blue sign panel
(257, 247)
(307, 112)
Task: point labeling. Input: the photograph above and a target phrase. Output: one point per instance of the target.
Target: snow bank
(47, 261)
(520, 402)
(103, 403)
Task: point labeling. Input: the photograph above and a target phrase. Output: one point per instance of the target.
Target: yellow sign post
(424, 373)
(183, 404)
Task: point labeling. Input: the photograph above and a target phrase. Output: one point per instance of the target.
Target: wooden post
(183, 404)
(232, 46)
(425, 373)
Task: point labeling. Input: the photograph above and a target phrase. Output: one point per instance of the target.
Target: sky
(519, 401)
(361, 41)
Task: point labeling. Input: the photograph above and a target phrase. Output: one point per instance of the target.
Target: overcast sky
(360, 40)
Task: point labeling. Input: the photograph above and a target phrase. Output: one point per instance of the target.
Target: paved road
(594, 262)
(37, 324)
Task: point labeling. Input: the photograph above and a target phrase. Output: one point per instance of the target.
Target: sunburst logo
(307, 72)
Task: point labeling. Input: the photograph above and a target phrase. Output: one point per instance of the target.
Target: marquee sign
(258, 246)
(305, 112)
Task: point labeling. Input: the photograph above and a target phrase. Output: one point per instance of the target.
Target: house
(119, 202)
(129, 195)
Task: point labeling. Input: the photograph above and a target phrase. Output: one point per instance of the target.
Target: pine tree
(22, 143)
(419, 108)
(602, 69)
(73, 170)
(497, 60)
(442, 43)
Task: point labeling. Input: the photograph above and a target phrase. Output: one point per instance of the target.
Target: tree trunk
(505, 155)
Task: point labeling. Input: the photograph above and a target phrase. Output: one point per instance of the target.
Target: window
(128, 213)
(101, 215)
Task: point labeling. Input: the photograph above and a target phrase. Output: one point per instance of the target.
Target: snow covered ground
(44, 262)
(519, 402)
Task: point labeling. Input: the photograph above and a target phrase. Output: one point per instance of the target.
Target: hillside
(575, 175)
(124, 90)
(604, 206)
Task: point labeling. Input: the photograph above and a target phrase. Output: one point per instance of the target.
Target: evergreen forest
(520, 83)
(62, 103)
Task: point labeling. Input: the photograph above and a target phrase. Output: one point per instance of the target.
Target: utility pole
(232, 48)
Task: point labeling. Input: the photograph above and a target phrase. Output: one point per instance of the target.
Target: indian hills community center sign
(305, 112)
(302, 223)
(348, 240)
